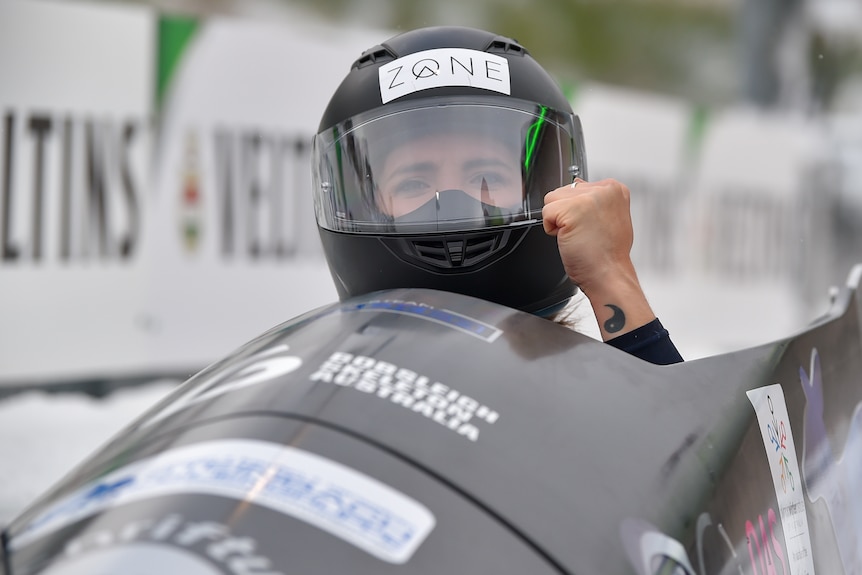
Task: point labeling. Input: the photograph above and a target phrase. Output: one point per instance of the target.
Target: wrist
(618, 301)
(612, 278)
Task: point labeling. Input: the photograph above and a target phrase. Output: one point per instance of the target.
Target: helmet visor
(451, 164)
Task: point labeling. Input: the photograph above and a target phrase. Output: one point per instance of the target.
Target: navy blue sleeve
(650, 342)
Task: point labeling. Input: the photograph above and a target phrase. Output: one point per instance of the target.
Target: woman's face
(415, 173)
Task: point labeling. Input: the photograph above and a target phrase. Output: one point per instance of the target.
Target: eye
(409, 188)
(492, 179)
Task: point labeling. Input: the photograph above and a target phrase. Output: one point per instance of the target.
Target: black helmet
(431, 164)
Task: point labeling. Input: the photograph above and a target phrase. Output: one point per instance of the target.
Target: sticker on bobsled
(445, 317)
(832, 471)
(157, 558)
(435, 401)
(774, 424)
(261, 367)
(167, 544)
(443, 67)
(326, 494)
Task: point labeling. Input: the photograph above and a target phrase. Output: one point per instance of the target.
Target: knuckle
(625, 192)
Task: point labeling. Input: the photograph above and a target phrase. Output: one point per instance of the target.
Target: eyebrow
(484, 162)
(414, 167)
(430, 166)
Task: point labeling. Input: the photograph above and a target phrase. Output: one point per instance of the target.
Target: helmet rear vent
(506, 47)
(373, 56)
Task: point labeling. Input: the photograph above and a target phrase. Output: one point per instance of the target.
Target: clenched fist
(593, 225)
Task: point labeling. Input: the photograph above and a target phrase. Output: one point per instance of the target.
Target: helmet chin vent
(460, 251)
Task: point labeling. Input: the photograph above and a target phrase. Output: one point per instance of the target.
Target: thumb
(549, 220)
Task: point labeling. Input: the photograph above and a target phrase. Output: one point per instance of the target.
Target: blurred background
(155, 211)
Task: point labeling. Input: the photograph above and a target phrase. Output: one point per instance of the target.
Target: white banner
(75, 135)
(136, 241)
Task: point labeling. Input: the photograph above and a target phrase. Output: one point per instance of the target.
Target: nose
(480, 193)
(449, 177)
(455, 204)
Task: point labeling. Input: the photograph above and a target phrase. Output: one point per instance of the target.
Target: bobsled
(423, 432)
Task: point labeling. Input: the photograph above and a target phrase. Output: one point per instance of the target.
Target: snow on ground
(43, 436)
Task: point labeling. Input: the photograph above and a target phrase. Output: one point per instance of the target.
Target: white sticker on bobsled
(443, 67)
(774, 424)
(329, 495)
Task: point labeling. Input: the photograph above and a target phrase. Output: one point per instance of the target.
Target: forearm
(618, 301)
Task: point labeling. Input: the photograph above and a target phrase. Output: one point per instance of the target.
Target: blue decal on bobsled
(445, 317)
